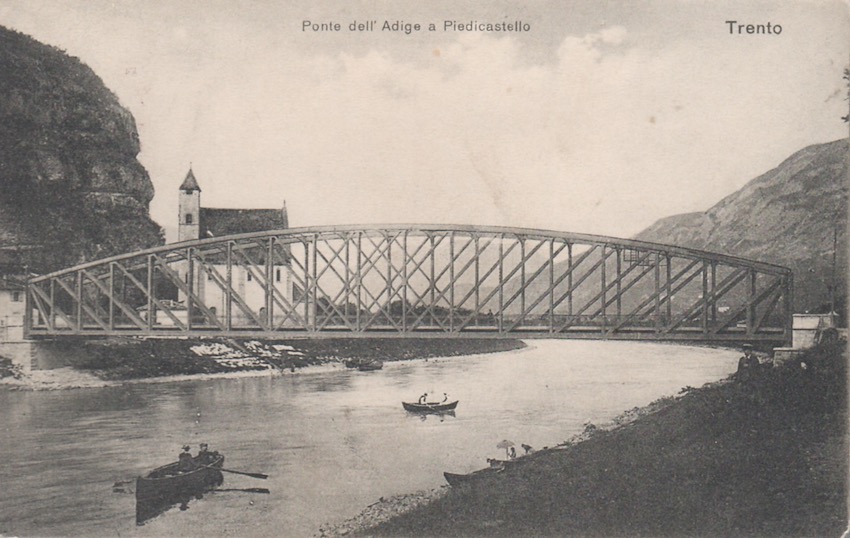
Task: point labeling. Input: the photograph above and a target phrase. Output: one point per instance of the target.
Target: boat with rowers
(168, 485)
(433, 407)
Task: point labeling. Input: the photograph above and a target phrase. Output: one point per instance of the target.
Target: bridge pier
(808, 331)
(38, 354)
(22, 353)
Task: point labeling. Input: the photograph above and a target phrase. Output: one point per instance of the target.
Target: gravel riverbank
(760, 458)
(385, 509)
(98, 363)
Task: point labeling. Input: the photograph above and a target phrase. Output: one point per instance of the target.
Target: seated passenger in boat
(185, 462)
(205, 457)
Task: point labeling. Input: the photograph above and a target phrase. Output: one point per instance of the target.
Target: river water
(333, 441)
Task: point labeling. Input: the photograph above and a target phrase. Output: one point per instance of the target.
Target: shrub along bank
(760, 458)
(9, 369)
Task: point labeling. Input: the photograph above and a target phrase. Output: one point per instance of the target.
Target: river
(332, 440)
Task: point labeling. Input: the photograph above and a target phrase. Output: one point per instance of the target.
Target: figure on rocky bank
(748, 365)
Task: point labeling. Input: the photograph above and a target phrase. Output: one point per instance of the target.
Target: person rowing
(445, 399)
(205, 456)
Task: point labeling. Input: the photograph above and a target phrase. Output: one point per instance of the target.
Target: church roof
(217, 222)
(190, 183)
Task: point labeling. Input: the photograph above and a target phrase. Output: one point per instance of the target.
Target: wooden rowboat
(166, 481)
(434, 407)
(458, 479)
(364, 365)
(165, 486)
(368, 366)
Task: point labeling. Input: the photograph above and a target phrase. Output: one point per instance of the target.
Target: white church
(197, 222)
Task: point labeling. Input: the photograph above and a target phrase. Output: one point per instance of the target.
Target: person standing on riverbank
(748, 365)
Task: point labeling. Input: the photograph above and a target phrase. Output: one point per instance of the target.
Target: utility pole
(832, 275)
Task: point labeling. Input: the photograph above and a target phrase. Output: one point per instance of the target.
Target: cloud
(605, 134)
(604, 140)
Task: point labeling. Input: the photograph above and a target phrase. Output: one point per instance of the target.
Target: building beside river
(12, 292)
(198, 222)
(12, 303)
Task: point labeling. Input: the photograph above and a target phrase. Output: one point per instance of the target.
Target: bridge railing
(422, 280)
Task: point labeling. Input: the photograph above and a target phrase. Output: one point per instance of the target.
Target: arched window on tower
(188, 218)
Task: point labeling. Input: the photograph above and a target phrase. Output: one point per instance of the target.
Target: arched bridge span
(417, 280)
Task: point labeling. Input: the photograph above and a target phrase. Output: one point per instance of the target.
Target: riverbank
(765, 458)
(93, 363)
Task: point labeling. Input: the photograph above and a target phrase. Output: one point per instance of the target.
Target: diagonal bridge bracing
(417, 280)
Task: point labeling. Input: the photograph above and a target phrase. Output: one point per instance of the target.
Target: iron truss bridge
(417, 281)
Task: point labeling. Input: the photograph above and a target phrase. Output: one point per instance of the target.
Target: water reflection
(433, 415)
(340, 382)
(149, 509)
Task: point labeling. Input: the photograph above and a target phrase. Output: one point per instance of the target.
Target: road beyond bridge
(438, 281)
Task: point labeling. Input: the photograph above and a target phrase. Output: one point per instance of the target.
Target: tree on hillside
(847, 78)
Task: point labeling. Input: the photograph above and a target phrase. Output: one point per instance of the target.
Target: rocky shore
(95, 363)
(766, 457)
(385, 509)
(380, 511)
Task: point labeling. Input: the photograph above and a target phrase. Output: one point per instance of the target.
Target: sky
(601, 118)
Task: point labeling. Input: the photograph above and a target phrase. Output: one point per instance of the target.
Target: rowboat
(368, 366)
(364, 365)
(433, 407)
(166, 486)
(167, 482)
(458, 479)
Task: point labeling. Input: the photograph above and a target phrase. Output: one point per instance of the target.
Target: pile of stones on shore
(380, 511)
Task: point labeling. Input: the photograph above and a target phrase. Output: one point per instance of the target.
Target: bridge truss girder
(417, 280)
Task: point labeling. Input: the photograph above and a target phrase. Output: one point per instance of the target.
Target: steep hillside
(71, 188)
(786, 216)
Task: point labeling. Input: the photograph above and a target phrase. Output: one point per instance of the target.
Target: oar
(252, 475)
(246, 490)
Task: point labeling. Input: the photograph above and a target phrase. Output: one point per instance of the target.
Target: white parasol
(504, 443)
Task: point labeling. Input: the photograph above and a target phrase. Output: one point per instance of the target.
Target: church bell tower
(189, 226)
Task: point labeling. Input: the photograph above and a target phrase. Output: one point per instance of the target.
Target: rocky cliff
(786, 216)
(71, 188)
